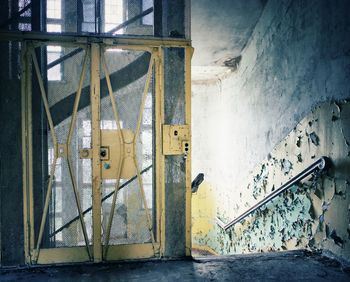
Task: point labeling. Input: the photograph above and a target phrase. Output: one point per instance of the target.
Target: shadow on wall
(312, 215)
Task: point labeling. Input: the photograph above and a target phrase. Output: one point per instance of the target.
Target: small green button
(106, 166)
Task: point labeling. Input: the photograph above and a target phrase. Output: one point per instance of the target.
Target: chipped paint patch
(315, 215)
(275, 227)
(286, 166)
(314, 138)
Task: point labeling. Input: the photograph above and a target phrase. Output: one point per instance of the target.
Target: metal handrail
(318, 165)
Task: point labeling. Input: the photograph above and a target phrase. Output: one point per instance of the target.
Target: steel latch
(176, 139)
(117, 154)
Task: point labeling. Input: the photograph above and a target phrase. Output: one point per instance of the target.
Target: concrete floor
(286, 266)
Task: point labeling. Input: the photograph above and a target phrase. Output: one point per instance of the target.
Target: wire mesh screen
(71, 176)
(131, 223)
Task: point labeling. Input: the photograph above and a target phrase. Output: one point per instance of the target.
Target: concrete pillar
(11, 182)
(11, 206)
(170, 21)
(11, 213)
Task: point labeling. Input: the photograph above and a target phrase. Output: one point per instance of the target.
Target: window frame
(59, 23)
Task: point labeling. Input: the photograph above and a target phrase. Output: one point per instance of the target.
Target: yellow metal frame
(99, 250)
(160, 159)
(122, 138)
(142, 43)
(188, 56)
(96, 143)
(57, 153)
(26, 151)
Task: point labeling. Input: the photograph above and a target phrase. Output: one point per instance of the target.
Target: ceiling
(220, 30)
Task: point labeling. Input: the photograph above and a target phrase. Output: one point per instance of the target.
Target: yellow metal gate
(103, 192)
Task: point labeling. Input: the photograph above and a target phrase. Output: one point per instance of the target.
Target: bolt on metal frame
(95, 48)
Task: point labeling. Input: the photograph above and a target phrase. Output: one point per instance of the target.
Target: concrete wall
(297, 58)
(219, 18)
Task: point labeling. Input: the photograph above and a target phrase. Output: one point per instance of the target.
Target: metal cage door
(58, 224)
(127, 122)
(99, 198)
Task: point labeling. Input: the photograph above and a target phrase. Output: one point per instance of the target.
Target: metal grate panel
(130, 222)
(62, 229)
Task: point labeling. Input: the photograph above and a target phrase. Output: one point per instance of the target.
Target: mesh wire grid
(62, 85)
(129, 223)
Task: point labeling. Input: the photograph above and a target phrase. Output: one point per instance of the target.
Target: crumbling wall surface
(314, 214)
(297, 57)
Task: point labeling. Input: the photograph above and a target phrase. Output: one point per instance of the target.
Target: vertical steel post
(159, 120)
(96, 143)
(24, 104)
(29, 146)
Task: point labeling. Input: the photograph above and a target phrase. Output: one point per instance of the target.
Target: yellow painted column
(96, 143)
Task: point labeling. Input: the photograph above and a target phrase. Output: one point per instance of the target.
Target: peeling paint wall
(297, 59)
(314, 214)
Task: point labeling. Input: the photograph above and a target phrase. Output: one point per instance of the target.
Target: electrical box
(176, 139)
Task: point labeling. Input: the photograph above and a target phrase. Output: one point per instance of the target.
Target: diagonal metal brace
(103, 199)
